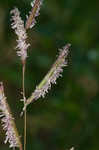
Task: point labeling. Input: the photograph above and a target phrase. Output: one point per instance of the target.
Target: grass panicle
(51, 77)
(18, 26)
(8, 123)
(31, 21)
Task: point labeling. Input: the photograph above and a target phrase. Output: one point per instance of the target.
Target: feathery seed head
(36, 4)
(51, 77)
(8, 122)
(18, 26)
(53, 74)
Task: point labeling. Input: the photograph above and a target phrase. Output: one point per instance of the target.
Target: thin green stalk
(23, 87)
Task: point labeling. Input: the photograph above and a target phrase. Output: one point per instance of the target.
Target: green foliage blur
(69, 115)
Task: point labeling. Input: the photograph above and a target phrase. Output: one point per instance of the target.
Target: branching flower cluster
(50, 78)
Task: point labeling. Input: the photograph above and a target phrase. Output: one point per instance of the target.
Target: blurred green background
(69, 115)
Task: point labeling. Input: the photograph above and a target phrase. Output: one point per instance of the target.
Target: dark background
(69, 115)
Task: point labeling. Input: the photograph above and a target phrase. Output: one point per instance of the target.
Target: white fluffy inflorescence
(51, 76)
(36, 5)
(18, 26)
(8, 122)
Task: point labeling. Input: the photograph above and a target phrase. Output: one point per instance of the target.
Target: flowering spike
(51, 76)
(18, 26)
(36, 4)
(8, 123)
